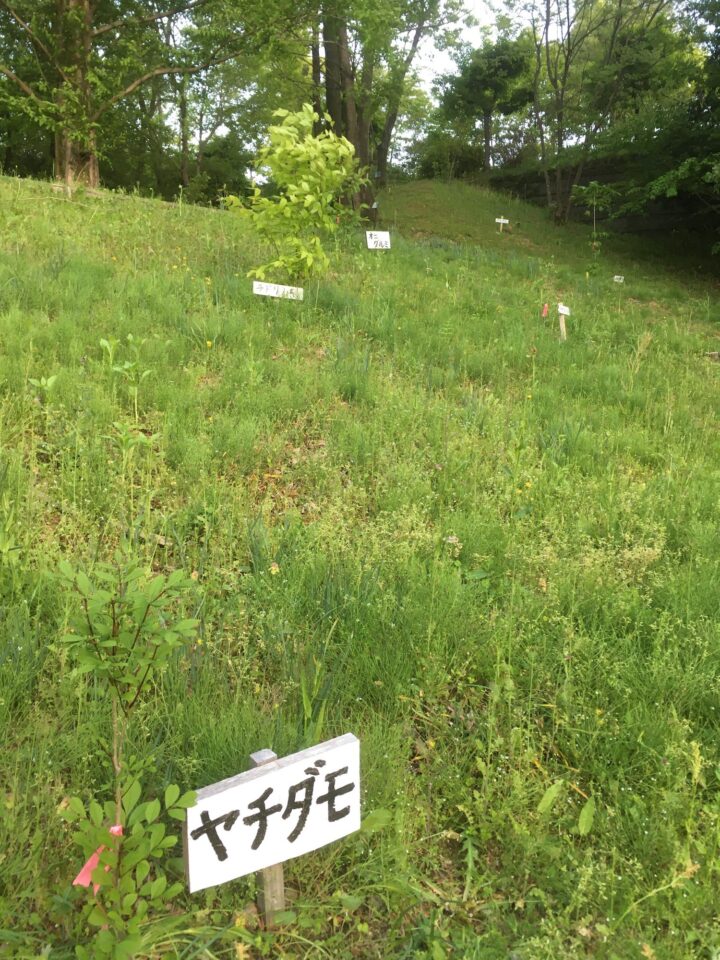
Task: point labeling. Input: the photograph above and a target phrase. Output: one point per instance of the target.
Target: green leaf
(131, 797)
(172, 792)
(157, 888)
(587, 816)
(285, 916)
(550, 796)
(152, 811)
(376, 820)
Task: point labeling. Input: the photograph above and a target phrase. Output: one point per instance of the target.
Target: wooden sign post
(271, 880)
(563, 312)
(502, 221)
(283, 808)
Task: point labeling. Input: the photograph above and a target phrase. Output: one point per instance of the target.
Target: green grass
(497, 554)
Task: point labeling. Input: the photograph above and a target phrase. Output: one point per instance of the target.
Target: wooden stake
(563, 331)
(271, 881)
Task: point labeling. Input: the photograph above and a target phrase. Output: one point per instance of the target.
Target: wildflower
(274, 569)
(208, 344)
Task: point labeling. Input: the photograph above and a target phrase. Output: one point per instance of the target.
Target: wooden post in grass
(563, 312)
(502, 221)
(271, 880)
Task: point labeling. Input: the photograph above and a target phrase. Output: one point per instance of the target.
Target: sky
(432, 62)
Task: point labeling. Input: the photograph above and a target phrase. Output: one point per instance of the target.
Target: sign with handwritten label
(378, 239)
(277, 811)
(619, 279)
(563, 310)
(277, 290)
(501, 221)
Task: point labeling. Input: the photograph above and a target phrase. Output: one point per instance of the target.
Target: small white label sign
(563, 310)
(619, 279)
(273, 813)
(501, 220)
(378, 239)
(277, 290)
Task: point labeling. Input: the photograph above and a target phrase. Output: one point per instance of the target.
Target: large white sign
(277, 290)
(378, 239)
(277, 811)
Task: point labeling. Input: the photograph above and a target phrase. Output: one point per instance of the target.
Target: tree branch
(26, 89)
(186, 7)
(157, 72)
(34, 38)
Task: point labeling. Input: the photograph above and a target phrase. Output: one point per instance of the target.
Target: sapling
(126, 628)
(312, 175)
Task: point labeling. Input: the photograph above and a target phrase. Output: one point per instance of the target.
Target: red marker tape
(84, 878)
(545, 309)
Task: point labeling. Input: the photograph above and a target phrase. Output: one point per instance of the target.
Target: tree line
(176, 94)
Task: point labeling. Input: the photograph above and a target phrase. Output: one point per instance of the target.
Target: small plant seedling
(44, 386)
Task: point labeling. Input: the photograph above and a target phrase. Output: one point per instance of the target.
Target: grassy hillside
(408, 512)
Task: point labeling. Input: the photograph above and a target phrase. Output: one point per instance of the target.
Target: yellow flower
(208, 344)
(274, 569)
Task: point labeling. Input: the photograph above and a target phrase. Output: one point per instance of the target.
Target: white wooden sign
(273, 813)
(277, 290)
(501, 221)
(378, 239)
(563, 310)
(619, 279)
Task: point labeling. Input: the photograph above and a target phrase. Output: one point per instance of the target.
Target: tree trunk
(184, 134)
(487, 140)
(76, 159)
(333, 81)
(316, 79)
(383, 149)
(347, 84)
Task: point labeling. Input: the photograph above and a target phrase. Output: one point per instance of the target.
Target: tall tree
(370, 47)
(584, 59)
(68, 62)
(495, 79)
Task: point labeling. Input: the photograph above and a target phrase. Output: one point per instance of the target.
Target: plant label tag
(378, 239)
(563, 310)
(501, 220)
(277, 290)
(277, 811)
(619, 279)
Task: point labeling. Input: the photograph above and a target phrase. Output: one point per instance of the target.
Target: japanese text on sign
(277, 290)
(501, 220)
(378, 239)
(275, 812)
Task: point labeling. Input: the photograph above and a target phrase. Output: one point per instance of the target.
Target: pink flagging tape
(546, 309)
(84, 878)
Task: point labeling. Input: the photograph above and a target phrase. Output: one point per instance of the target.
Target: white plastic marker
(618, 279)
(502, 221)
(378, 239)
(277, 290)
(563, 312)
(279, 810)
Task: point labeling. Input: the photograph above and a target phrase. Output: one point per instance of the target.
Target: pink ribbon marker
(84, 878)
(545, 309)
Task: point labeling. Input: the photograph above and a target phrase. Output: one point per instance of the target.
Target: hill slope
(409, 512)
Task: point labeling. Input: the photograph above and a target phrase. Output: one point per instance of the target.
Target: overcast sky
(432, 62)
